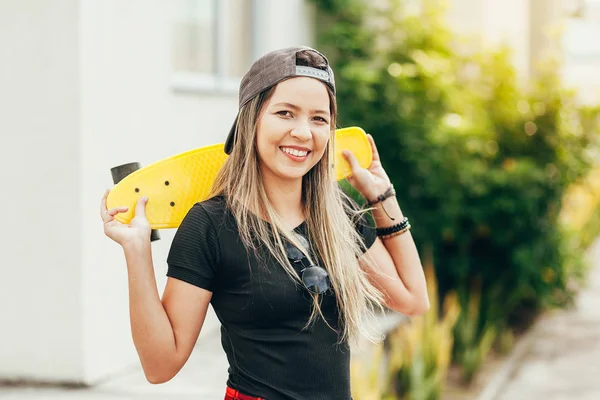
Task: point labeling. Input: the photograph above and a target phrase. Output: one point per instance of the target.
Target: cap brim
(231, 137)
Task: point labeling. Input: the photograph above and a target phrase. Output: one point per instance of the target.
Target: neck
(286, 198)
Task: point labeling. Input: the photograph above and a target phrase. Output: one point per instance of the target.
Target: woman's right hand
(138, 229)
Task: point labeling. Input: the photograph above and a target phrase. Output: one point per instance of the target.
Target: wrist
(135, 245)
(393, 230)
(382, 195)
(387, 213)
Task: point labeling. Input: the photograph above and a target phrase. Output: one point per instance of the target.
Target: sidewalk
(563, 360)
(203, 377)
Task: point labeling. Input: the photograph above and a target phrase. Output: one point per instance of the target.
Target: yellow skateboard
(175, 184)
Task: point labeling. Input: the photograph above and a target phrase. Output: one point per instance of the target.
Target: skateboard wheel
(121, 171)
(154, 235)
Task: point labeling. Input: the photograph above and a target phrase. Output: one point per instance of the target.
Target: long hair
(329, 217)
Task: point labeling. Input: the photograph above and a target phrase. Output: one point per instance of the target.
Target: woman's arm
(397, 269)
(393, 263)
(164, 332)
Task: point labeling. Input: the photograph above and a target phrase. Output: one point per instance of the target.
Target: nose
(301, 131)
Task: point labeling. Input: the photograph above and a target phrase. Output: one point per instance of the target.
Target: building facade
(536, 30)
(88, 85)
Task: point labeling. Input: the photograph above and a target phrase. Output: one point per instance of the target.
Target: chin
(286, 172)
(292, 175)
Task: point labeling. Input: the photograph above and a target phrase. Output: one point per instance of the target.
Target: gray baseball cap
(271, 69)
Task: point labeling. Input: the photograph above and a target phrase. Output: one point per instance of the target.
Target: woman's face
(293, 128)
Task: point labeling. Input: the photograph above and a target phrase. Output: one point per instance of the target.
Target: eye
(284, 113)
(321, 119)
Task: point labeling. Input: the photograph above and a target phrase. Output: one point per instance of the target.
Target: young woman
(290, 266)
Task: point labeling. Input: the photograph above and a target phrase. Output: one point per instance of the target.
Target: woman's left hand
(369, 182)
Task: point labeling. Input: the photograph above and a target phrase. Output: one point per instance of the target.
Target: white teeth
(294, 152)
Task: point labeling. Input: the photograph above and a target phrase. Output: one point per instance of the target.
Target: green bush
(480, 164)
(415, 356)
(474, 334)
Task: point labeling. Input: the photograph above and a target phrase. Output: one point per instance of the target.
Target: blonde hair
(329, 218)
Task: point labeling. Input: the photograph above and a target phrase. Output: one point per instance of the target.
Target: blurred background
(486, 115)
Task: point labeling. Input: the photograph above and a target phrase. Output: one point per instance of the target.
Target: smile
(294, 152)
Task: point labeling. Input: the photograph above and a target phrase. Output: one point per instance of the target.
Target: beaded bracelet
(400, 232)
(392, 229)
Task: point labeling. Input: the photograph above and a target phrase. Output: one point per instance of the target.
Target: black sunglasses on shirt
(314, 278)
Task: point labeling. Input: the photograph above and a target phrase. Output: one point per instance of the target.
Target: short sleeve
(363, 227)
(194, 253)
(366, 231)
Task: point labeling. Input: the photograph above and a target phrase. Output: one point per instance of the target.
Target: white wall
(41, 201)
(582, 54)
(491, 23)
(86, 85)
(129, 113)
(287, 25)
(547, 21)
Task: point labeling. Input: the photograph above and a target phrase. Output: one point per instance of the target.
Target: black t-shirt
(262, 311)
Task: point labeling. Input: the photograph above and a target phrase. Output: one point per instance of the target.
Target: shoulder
(361, 219)
(213, 212)
(214, 205)
(203, 218)
(195, 254)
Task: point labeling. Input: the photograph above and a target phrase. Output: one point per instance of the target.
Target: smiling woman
(288, 262)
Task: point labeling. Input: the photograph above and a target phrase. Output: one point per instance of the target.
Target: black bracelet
(391, 235)
(392, 229)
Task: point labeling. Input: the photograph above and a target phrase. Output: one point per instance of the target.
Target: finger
(103, 203)
(110, 214)
(373, 148)
(349, 156)
(114, 211)
(140, 206)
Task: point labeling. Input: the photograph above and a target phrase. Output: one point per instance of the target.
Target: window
(213, 43)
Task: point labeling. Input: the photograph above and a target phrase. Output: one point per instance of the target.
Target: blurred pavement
(203, 377)
(563, 360)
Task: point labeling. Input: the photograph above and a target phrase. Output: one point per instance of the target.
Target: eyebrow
(295, 107)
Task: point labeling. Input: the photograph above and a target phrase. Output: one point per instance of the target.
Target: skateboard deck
(175, 184)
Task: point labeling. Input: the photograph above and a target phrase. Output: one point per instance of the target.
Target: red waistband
(232, 394)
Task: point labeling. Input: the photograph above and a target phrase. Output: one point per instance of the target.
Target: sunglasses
(314, 278)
